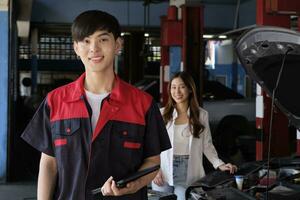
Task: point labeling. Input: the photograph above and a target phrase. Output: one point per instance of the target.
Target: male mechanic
(97, 129)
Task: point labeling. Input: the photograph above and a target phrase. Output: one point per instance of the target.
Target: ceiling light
(125, 33)
(208, 36)
(222, 37)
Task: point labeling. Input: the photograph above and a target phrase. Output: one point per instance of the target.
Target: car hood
(261, 52)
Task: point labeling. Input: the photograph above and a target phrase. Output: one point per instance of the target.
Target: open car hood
(261, 52)
(220, 184)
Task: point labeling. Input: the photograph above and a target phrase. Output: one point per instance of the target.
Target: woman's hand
(228, 167)
(159, 180)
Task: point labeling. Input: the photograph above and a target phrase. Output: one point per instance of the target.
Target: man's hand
(110, 188)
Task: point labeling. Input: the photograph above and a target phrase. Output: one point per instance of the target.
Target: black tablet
(122, 183)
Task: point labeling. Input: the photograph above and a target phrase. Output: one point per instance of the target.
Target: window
(56, 48)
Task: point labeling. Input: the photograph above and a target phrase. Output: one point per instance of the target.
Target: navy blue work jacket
(130, 129)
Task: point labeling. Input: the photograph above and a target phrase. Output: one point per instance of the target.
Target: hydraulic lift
(181, 45)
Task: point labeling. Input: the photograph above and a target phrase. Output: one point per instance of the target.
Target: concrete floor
(18, 191)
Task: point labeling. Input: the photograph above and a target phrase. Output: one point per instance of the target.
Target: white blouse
(181, 139)
(197, 147)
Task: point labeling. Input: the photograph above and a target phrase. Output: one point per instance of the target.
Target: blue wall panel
(131, 13)
(221, 16)
(128, 13)
(175, 60)
(247, 15)
(3, 92)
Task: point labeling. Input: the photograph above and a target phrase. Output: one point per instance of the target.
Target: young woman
(189, 132)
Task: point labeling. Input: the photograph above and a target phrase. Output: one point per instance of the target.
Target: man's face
(97, 51)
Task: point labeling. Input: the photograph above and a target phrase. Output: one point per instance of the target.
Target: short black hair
(90, 21)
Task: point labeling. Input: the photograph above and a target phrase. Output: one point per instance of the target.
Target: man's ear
(119, 45)
(75, 47)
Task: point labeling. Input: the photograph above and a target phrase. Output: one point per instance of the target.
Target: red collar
(76, 90)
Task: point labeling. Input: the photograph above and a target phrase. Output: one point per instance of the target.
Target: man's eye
(104, 40)
(86, 41)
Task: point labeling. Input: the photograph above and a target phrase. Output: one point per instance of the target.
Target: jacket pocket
(131, 145)
(127, 143)
(60, 142)
(65, 127)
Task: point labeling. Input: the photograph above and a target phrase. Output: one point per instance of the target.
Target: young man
(97, 129)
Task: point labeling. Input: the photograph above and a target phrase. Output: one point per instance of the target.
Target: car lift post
(181, 45)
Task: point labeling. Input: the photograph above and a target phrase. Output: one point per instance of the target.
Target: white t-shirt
(95, 101)
(181, 139)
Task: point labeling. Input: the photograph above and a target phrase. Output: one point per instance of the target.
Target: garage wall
(128, 13)
(3, 90)
(131, 13)
(247, 13)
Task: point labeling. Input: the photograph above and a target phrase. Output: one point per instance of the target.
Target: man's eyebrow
(99, 35)
(103, 34)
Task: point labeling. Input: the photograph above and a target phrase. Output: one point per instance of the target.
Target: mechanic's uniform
(130, 129)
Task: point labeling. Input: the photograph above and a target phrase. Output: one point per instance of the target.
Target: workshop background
(161, 37)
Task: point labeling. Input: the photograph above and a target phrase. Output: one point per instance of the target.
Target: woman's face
(179, 91)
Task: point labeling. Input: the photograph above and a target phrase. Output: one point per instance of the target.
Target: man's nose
(95, 46)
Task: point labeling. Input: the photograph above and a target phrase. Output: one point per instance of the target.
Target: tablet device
(122, 183)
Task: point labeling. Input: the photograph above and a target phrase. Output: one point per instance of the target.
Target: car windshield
(214, 90)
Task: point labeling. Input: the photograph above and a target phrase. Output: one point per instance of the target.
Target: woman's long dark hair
(194, 123)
